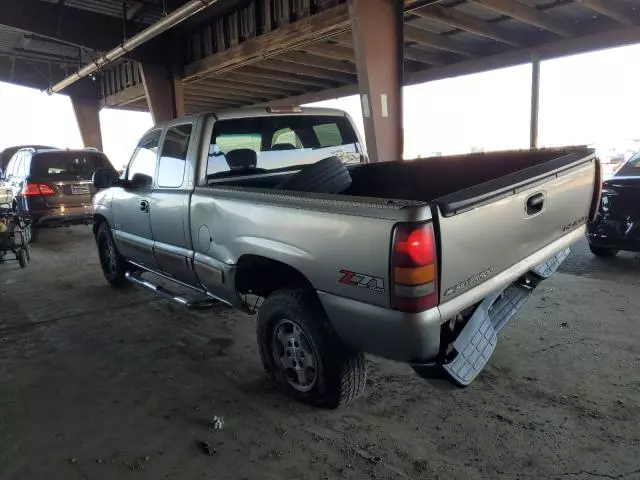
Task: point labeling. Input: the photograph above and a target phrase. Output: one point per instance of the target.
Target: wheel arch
(98, 219)
(262, 276)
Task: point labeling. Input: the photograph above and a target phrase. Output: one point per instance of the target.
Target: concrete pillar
(377, 27)
(535, 102)
(87, 113)
(164, 91)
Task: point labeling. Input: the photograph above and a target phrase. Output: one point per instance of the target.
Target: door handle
(535, 203)
(144, 206)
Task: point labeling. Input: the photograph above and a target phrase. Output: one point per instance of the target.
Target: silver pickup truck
(277, 211)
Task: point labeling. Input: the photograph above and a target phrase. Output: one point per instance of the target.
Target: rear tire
(603, 251)
(32, 234)
(302, 354)
(114, 266)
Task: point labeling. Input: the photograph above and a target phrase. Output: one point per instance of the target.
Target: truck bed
(479, 204)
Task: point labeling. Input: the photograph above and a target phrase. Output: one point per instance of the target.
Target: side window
(25, 165)
(13, 163)
(173, 156)
(145, 156)
(285, 139)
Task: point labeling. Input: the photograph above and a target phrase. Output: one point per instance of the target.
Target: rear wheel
(603, 252)
(114, 267)
(302, 354)
(30, 233)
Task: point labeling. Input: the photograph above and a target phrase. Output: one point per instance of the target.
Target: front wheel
(302, 354)
(22, 258)
(114, 267)
(603, 252)
(30, 234)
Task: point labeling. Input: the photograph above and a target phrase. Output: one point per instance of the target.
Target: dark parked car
(617, 226)
(53, 187)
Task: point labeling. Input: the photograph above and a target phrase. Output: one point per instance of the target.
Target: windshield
(631, 168)
(280, 143)
(68, 165)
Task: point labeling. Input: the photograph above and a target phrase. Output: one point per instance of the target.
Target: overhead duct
(161, 26)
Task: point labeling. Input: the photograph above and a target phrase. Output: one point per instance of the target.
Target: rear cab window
(65, 165)
(279, 143)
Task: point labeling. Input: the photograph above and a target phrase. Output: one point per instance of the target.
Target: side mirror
(140, 180)
(104, 178)
(2, 175)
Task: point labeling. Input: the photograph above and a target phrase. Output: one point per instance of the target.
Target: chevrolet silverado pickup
(277, 211)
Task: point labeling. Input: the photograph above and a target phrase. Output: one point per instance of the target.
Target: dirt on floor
(103, 384)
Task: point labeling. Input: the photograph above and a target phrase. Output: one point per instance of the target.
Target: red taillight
(418, 246)
(37, 189)
(413, 268)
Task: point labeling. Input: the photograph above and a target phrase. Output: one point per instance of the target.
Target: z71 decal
(361, 280)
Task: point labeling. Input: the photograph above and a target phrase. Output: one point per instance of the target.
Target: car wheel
(114, 267)
(22, 258)
(30, 233)
(603, 252)
(302, 354)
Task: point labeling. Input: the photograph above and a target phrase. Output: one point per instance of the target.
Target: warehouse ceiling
(252, 52)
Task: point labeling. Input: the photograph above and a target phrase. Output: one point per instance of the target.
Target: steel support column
(377, 27)
(164, 92)
(535, 101)
(88, 117)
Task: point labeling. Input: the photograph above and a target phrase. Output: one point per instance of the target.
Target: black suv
(53, 186)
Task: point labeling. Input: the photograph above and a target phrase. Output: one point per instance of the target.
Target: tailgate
(486, 229)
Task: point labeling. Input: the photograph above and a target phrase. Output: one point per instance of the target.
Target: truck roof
(245, 112)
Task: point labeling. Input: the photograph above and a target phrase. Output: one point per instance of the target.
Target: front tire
(22, 258)
(603, 251)
(114, 266)
(302, 354)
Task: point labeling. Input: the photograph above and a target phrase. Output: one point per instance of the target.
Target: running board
(202, 301)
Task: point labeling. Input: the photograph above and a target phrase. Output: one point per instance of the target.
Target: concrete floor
(101, 384)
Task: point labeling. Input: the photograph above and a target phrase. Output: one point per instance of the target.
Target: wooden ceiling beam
(440, 42)
(530, 15)
(610, 9)
(227, 88)
(293, 36)
(283, 78)
(412, 53)
(222, 94)
(312, 72)
(335, 52)
(246, 86)
(275, 85)
(191, 100)
(469, 23)
(319, 62)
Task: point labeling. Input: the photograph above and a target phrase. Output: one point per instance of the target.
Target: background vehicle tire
(113, 265)
(302, 354)
(22, 258)
(603, 252)
(326, 176)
